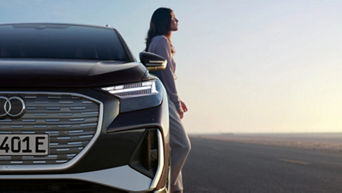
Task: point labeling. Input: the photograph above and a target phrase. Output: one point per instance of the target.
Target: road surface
(218, 166)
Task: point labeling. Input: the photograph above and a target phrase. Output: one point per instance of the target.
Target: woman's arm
(161, 47)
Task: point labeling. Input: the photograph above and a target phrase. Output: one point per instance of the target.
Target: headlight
(133, 89)
(137, 96)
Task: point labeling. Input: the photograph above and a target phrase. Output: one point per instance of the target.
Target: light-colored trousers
(180, 148)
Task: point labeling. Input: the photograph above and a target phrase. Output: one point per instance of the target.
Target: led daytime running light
(133, 89)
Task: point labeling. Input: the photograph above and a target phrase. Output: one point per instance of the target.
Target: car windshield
(60, 41)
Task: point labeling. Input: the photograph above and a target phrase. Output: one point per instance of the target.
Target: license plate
(24, 144)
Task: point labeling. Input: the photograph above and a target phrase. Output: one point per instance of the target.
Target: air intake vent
(145, 158)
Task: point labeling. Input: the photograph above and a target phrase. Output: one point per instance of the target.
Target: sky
(243, 66)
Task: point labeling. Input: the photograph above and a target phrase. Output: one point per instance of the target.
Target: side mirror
(152, 62)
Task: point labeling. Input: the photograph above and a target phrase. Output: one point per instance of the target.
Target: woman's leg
(180, 148)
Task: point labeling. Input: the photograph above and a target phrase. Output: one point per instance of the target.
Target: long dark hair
(159, 25)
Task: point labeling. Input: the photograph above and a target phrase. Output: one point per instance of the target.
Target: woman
(158, 41)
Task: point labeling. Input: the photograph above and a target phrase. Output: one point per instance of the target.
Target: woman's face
(174, 22)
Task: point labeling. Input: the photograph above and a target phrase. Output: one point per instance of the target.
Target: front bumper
(124, 177)
(108, 162)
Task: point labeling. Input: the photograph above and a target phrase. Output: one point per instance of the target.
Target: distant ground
(264, 163)
(312, 141)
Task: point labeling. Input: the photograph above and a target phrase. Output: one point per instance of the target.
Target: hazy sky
(242, 66)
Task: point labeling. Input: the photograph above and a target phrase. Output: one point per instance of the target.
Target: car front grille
(70, 120)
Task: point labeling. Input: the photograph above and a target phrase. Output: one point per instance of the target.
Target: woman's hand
(185, 109)
(182, 110)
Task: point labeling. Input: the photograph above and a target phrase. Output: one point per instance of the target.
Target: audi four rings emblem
(11, 107)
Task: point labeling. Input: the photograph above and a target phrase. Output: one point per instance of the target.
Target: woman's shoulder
(158, 42)
(159, 39)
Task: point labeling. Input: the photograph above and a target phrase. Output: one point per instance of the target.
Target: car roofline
(62, 24)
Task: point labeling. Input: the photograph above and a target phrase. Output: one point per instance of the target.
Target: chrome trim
(123, 177)
(73, 160)
(8, 106)
(160, 161)
(22, 109)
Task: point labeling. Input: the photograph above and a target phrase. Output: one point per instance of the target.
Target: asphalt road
(217, 166)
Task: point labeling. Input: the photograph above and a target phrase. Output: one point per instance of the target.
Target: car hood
(68, 74)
